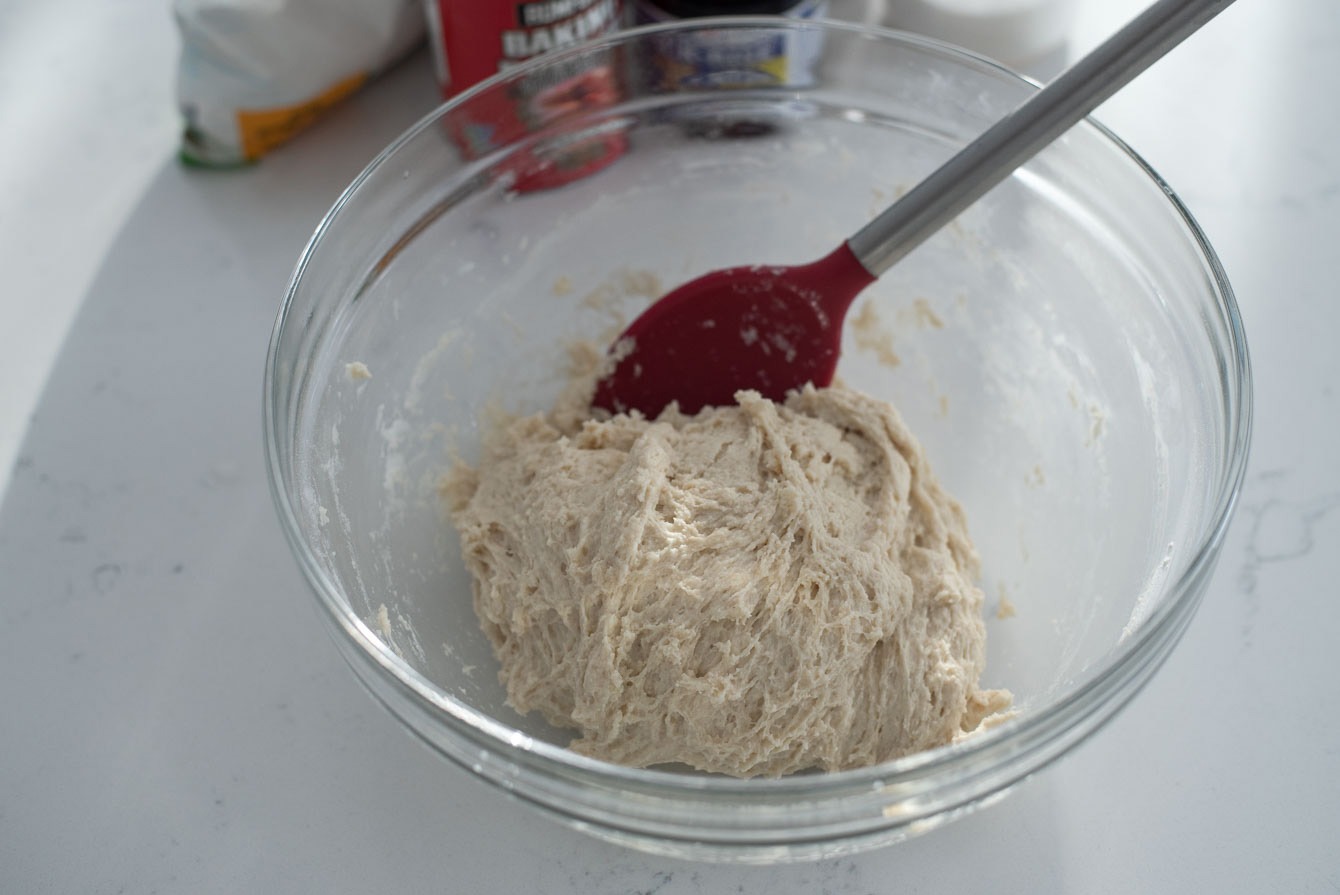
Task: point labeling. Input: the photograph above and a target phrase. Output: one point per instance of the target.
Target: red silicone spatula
(774, 329)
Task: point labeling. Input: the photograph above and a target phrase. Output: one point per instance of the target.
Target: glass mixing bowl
(1068, 352)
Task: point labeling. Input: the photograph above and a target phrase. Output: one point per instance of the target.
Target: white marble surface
(86, 99)
(172, 719)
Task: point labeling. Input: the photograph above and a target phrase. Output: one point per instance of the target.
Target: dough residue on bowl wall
(871, 335)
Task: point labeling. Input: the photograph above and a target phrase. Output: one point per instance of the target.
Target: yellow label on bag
(264, 129)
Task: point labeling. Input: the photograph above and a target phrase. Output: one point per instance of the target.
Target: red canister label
(474, 39)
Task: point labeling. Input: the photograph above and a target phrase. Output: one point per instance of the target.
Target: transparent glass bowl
(1068, 352)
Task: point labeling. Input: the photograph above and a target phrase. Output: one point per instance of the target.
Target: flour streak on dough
(753, 590)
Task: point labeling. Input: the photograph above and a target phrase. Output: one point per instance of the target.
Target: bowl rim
(1122, 660)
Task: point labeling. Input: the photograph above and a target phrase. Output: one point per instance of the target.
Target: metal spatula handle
(1020, 135)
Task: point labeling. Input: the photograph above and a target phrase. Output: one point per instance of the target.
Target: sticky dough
(757, 589)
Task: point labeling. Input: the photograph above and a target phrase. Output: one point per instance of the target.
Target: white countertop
(172, 719)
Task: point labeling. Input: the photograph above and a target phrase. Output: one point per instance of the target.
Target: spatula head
(771, 329)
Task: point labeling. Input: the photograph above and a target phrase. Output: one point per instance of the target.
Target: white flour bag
(253, 73)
